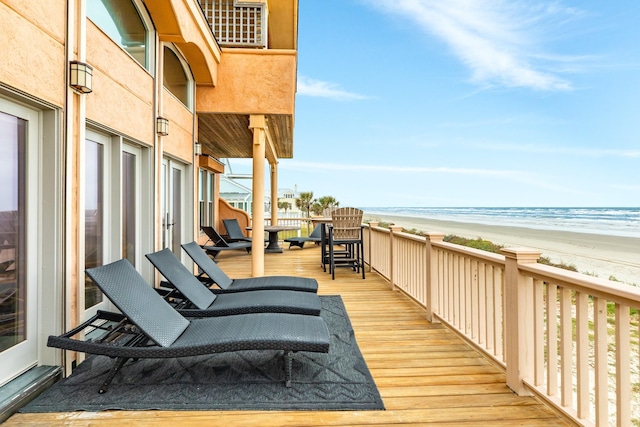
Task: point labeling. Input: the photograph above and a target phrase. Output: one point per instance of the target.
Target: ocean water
(609, 221)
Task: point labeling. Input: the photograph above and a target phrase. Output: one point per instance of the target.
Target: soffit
(228, 135)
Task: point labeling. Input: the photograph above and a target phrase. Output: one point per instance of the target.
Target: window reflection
(176, 177)
(120, 20)
(175, 79)
(202, 190)
(13, 294)
(94, 218)
(211, 189)
(129, 207)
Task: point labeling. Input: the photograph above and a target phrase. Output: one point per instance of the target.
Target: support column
(74, 208)
(518, 315)
(274, 193)
(257, 124)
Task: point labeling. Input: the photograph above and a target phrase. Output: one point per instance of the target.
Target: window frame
(187, 73)
(150, 39)
(206, 196)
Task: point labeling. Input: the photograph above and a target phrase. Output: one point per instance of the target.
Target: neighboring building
(238, 195)
(290, 196)
(105, 109)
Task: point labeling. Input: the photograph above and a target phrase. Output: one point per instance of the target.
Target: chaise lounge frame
(211, 273)
(150, 328)
(220, 244)
(205, 303)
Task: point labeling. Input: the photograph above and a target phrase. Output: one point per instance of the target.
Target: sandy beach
(598, 255)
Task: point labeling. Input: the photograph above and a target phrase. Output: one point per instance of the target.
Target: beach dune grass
(482, 244)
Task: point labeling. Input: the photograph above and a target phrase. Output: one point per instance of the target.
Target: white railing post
(518, 318)
(371, 225)
(431, 281)
(392, 271)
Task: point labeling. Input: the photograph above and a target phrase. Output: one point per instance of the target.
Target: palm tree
(328, 202)
(284, 206)
(305, 202)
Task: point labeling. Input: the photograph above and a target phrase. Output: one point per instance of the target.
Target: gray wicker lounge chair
(220, 244)
(234, 232)
(315, 236)
(151, 328)
(212, 273)
(196, 300)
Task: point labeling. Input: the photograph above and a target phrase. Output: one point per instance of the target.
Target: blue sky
(467, 103)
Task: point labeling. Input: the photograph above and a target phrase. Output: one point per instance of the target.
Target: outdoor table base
(273, 246)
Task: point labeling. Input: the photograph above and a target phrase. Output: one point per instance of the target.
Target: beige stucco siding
(33, 54)
(179, 142)
(122, 96)
(283, 24)
(252, 82)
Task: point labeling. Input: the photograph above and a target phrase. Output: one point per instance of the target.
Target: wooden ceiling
(228, 135)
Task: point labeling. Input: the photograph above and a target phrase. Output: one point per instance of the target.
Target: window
(176, 80)
(94, 221)
(206, 187)
(129, 206)
(13, 223)
(116, 213)
(122, 21)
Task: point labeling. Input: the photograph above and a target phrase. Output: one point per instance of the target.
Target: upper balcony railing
(569, 338)
(237, 23)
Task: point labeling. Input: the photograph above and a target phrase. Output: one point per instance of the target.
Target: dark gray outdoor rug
(250, 380)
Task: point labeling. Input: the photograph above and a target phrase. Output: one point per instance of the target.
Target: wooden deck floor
(425, 373)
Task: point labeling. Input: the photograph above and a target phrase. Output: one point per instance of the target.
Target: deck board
(425, 373)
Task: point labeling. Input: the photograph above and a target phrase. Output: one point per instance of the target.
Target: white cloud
(297, 165)
(311, 87)
(501, 42)
(627, 187)
(574, 151)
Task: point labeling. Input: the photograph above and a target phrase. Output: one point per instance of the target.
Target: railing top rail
(472, 252)
(378, 228)
(613, 291)
(490, 257)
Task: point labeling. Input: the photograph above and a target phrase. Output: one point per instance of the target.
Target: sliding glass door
(19, 133)
(173, 205)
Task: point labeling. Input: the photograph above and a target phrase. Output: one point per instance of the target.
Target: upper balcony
(256, 75)
(262, 24)
(237, 23)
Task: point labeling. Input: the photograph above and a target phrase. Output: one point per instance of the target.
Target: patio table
(273, 230)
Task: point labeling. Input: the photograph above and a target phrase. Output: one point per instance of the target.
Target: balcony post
(274, 193)
(392, 271)
(257, 124)
(431, 280)
(518, 318)
(370, 250)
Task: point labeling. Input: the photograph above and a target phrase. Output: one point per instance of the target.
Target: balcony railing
(237, 23)
(569, 338)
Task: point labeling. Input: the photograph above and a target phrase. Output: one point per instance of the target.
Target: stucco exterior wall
(120, 83)
(283, 24)
(33, 53)
(179, 142)
(252, 82)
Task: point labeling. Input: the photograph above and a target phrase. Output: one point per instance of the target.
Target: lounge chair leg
(287, 367)
(117, 364)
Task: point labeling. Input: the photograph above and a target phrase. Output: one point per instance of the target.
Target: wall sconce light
(81, 76)
(197, 149)
(162, 126)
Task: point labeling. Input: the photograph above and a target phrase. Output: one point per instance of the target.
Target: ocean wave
(608, 220)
